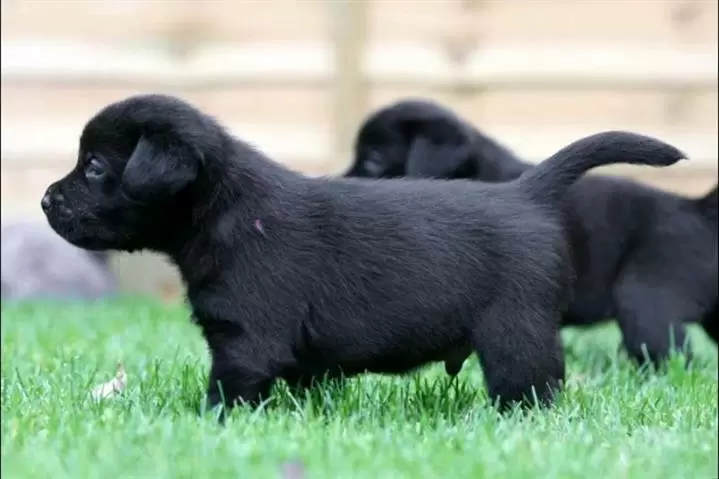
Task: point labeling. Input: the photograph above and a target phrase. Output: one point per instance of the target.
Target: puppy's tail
(549, 181)
(708, 204)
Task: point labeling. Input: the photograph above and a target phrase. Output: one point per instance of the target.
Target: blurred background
(297, 78)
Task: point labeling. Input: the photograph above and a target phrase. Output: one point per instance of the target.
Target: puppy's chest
(241, 309)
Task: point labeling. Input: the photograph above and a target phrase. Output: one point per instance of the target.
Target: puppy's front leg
(238, 376)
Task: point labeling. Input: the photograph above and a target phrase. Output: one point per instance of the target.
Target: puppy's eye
(94, 169)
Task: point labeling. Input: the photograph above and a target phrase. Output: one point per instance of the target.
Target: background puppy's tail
(553, 177)
(708, 204)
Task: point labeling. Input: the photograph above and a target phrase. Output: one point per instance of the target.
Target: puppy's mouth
(80, 233)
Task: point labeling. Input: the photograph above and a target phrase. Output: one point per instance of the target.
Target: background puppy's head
(136, 166)
(414, 138)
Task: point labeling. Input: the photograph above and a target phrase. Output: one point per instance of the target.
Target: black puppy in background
(642, 255)
(293, 277)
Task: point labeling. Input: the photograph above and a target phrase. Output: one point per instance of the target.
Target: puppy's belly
(453, 362)
(405, 359)
(410, 361)
(399, 359)
(382, 344)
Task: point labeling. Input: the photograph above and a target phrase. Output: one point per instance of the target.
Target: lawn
(612, 421)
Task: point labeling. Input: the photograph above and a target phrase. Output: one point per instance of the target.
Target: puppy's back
(447, 226)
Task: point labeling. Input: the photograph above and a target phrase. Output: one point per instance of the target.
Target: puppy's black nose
(52, 197)
(45, 202)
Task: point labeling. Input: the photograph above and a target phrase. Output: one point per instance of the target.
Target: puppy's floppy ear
(432, 160)
(159, 169)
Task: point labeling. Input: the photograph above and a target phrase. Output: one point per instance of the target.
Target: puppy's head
(137, 163)
(413, 138)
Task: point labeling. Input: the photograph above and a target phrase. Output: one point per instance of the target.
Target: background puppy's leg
(519, 348)
(649, 317)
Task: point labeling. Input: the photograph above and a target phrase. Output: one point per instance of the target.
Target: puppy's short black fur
(644, 256)
(291, 277)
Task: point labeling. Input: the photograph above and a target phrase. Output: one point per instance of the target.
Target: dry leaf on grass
(114, 386)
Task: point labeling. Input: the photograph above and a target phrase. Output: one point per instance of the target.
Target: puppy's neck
(240, 192)
(244, 181)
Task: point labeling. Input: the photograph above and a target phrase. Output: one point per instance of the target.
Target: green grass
(612, 421)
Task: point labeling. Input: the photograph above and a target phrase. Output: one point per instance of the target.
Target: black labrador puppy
(293, 277)
(642, 255)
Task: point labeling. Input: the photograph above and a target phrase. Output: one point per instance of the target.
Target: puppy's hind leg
(520, 352)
